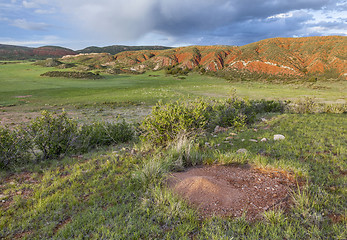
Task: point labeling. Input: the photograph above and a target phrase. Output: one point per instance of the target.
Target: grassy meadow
(119, 191)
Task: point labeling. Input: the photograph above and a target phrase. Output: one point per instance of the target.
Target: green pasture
(23, 88)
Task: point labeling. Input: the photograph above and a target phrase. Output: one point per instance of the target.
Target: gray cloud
(126, 20)
(24, 24)
(175, 22)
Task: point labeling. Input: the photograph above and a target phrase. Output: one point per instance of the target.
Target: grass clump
(104, 134)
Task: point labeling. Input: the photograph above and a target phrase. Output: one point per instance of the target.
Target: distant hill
(114, 49)
(285, 56)
(11, 52)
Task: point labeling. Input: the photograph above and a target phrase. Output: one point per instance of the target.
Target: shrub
(14, 147)
(305, 105)
(167, 121)
(104, 133)
(53, 135)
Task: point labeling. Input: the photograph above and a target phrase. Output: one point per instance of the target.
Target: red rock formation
(290, 56)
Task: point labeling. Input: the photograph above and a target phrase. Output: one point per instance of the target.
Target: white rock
(253, 140)
(2, 196)
(263, 140)
(278, 137)
(263, 119)
(241, 150)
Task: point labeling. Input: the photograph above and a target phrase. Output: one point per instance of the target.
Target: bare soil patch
(231, 191)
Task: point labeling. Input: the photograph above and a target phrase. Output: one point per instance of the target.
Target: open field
(131, 96)
(121, 191)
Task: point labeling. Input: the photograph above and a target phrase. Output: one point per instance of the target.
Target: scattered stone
(219, 129)
(233, 134)
(263, 119)
(228, 138)
(263, 140)
(214, 136)
(3, 196)
(255, 130)
(253, 140)
(279, 137)
(242, 140)
(241, 150)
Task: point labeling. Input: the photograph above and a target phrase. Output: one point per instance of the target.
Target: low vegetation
(54, 136)
(72, 74)
(63, 177)
(121, 193)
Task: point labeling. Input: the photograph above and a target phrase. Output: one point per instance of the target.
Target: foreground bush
(53, 135)
(14, 146)
(167, 121)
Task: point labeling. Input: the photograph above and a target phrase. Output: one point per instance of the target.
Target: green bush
(14, 147)
(104, 133)
(167, 121)
(235, 112)
(53, 135)
(304, 105)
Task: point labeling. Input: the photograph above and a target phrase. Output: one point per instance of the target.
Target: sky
(77, 24)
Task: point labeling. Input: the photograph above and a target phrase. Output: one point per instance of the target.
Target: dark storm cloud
(168, 22)
(247, 19)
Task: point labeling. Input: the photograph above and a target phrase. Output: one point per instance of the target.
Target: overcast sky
(80, 23)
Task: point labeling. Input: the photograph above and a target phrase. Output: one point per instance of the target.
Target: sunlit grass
(119, 193)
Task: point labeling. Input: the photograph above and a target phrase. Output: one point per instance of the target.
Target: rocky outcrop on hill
(287, 56)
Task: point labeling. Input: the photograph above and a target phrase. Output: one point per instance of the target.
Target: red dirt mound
(232, 191)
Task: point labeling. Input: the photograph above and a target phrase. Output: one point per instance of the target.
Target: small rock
(253, 140)
(263, 119)
(263, 140)
(241, 150)
(2, 196)
(255, 130)
(219, 129)
(279, 137)
(233, 134)
(228, 138)
(242, 140)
